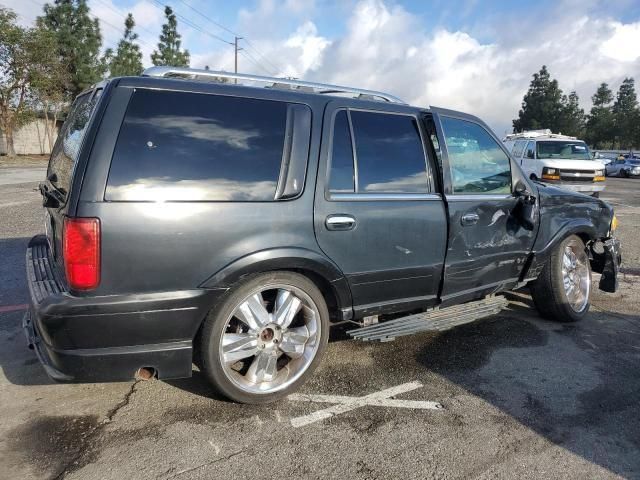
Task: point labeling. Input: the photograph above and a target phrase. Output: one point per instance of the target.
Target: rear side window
(65, 153)
(179, 146)
(389, 154)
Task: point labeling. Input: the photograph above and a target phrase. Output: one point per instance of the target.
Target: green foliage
(29, 70)
(542, 106)
(545, 106)
(626, 115)
(573, 120)
(79, 41)
(608, 125)
(169, 52)
(600, 128)
(127, 60)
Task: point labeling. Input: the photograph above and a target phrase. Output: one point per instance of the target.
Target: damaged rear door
(487, 245)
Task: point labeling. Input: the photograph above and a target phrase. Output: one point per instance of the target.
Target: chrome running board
(438, 319)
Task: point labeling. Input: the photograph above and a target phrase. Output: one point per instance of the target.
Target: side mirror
(520, 189)
(527, 209)
(530, 154)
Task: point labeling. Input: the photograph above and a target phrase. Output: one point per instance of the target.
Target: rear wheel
(266, 338)
(562, 290)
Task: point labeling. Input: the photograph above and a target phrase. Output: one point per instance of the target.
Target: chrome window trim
(480, 196)
(333, 196)
(369, 197)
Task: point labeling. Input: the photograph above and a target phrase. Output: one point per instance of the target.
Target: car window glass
(531, 150)
(67, 148)
(188, 146)
(389, 153)
(341, 178)
(518, 148)
(478, 164)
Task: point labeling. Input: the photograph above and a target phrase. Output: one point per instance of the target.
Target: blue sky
(472, 55)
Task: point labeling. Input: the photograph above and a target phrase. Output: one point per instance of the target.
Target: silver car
(627, 167)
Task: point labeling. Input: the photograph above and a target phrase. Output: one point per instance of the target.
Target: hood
(568, 164)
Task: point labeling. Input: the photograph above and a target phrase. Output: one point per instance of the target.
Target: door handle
(469, 219)
(340, 222)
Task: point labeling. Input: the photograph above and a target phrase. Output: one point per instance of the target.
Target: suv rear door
(377, 213)
(487, 246)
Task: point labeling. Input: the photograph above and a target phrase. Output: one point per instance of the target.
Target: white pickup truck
(557, 159)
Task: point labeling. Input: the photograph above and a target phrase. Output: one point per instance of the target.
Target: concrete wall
(30, 139)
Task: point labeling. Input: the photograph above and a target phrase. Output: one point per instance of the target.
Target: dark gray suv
(195, 221)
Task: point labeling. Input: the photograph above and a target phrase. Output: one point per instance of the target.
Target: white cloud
(387, 48)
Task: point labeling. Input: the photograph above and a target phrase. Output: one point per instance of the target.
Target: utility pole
(235, 80)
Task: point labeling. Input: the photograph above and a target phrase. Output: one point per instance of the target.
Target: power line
(195, 26)
(235, 34)
(248, 56)
(113, 8)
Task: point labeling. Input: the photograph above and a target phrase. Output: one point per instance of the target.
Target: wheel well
(325, 287)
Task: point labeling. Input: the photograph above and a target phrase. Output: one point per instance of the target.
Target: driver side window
(478, 164)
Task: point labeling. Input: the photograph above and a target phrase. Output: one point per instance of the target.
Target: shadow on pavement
(575, 384)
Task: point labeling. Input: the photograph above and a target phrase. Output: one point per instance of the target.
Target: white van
(557, 159)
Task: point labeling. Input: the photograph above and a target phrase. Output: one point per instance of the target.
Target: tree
(128, 57)
(600, 128)
(626, 115)
(27, 57)
(572, 120)
(79, 41)
(542, 105)
(169, 52)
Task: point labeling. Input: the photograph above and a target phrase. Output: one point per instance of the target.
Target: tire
(551, 297)
(268, 356)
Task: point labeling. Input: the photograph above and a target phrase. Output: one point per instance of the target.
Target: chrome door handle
(340, 222)
(469, 219)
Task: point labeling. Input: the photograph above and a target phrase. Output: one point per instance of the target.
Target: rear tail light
(81, 250)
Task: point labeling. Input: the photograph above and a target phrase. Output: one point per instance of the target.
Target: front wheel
(265, 338)
(562, 290)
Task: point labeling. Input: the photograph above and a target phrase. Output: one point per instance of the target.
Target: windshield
(570, 149)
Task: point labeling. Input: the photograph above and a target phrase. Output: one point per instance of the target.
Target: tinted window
(187, 146)
(478, 164)
(531, 150)
(67, 148)
(563, 149)
(341, 177)
(389, 153)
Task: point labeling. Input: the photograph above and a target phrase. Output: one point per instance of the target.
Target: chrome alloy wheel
(576, 277)
(270, 339)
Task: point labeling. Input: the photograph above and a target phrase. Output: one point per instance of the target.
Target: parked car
(626, 167)
(231, 226)
(557, 159)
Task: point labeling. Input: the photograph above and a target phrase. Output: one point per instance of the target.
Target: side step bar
(432, 320)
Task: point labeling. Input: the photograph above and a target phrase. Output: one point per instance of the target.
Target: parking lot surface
(508, 396)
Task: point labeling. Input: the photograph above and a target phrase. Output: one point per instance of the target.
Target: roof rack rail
(302, 85)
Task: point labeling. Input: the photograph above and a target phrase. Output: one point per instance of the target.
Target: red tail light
(81, 250)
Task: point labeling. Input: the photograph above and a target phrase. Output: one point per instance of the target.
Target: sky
(470, 55)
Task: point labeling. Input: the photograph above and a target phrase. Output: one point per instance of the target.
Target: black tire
(624, 174)
(215, 323)
(548, 291)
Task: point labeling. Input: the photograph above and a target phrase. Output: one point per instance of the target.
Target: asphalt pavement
(516, 396)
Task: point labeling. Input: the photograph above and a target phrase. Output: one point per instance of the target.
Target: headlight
(614, 223)
(550, 173)
(599, 173)
(599, 176)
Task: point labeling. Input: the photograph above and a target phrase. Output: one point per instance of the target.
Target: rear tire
(561, 292)
(265, 338)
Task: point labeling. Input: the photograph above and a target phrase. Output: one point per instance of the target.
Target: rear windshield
(566, 150)
(181, 146)
(65, 153)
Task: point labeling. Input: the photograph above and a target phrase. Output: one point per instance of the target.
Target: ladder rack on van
(273, 82)
(529, 134)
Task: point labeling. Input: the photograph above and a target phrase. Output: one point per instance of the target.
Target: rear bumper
(108, 338)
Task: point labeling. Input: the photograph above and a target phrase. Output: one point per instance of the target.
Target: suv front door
(487, 245)
(377, 213)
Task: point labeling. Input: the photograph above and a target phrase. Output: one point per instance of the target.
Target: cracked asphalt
(521, 397)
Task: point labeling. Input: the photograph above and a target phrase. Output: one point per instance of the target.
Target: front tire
(561, 292)
(265, 338)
